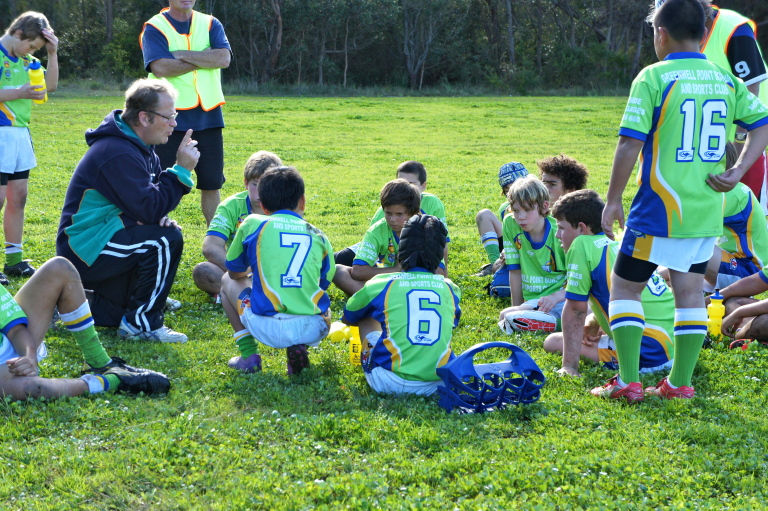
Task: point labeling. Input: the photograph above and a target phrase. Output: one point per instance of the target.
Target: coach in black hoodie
(115, 227)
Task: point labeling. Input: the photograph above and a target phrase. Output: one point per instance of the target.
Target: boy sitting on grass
(406, 319)
(676, 215)
(25, 319)
(228, 217)
(488, 224)
(535, 260)
(589, 256)
(415, 173)
(560, 174)
(284, 304)
(377, 253)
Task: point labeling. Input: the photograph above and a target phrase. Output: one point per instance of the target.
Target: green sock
(14, 258)
(245, 343)
(627, 325)
(80, 323)
(93, 351)
(114, 382)
(690, 330)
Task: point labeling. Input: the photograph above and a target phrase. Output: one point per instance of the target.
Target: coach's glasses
(168, 118)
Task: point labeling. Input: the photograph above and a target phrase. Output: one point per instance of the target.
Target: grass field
(222, 440)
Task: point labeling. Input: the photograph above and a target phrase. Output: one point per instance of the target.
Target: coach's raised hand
(188, 154)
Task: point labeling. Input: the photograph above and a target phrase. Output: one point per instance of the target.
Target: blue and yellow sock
(101, 383)
(80, 323)
(627, 324)
(690, 330)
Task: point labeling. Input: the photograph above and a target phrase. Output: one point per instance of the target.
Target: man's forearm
(171, 68)
(215, 58)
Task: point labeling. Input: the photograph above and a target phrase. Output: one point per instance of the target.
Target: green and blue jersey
(542, 265)
(681, 109)
(292, 263)
(418, 311)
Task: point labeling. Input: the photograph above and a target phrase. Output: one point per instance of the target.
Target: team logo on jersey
(7, 64)
(391, 252)
(710, 154)
(8, 74)
(518, 243)
(291, 280)
(656, 285)
(684, 155)
(240, 221)
(734, 264)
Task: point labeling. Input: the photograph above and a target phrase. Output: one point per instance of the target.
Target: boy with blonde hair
(535, 260)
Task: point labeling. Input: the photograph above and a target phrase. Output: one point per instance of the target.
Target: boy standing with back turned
(676, 118)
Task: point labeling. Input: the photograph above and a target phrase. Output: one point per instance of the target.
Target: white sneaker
(162, 334)
(172, 305)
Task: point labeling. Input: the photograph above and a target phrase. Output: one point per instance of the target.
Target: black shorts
(4, 178)
(210, 166)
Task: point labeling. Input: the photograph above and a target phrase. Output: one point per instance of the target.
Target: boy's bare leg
(554, 344)
(55, 283)
(487, 226)
(207, 277)
(13, 221)
(344, 281)
(22, 387)
(230, 291)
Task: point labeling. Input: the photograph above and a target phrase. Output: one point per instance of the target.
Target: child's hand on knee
(23, 366)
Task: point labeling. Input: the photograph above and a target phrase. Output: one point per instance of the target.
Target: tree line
(517, 45)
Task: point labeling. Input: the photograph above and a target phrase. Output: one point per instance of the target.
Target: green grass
(222, 440)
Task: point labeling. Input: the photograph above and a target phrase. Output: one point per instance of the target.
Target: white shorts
(675, 253)
(16, 152)
(7, 352)
(557, 310)
(285, 330)
(384, 381)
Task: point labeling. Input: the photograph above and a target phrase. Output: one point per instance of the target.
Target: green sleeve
(579, 271)
(511, 253)
(372, 246)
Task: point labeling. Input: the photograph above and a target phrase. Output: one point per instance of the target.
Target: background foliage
(519, 46)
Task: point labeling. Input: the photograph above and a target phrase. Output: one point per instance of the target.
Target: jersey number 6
(424, 322)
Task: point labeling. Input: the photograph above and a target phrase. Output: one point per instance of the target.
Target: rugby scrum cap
(422, 242)
(510, 172)
(477, 388)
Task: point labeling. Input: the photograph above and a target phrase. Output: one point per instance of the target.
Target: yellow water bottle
(715, 313)
(355, 347)
(37, 79)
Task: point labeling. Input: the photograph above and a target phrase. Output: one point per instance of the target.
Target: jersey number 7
(302, 244)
